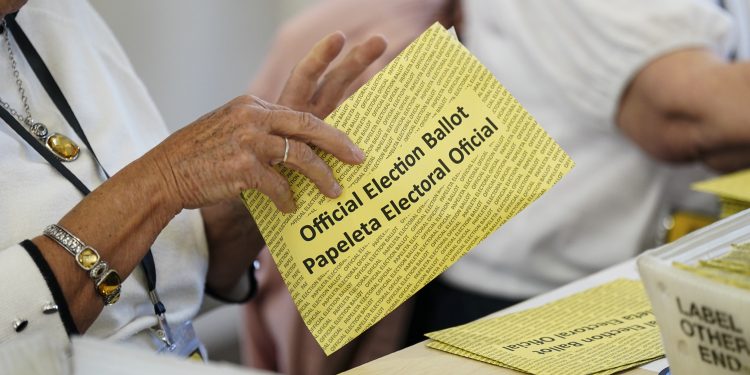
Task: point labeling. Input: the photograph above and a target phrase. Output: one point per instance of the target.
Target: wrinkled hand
(232, 235)
(236, 146)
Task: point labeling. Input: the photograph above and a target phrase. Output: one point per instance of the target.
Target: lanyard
(723, 5)
(53, 90)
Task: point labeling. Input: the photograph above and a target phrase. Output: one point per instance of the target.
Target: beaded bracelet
(106, 280)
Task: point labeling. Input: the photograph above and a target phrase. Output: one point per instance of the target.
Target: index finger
(305, 127)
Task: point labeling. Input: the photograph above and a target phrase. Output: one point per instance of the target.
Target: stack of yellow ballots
(732, 268)
(602, 330)
(733, 191)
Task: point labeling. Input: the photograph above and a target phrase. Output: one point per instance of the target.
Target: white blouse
(122, 123)
(568, 62)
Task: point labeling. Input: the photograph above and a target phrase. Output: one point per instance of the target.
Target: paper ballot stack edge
(705, 324)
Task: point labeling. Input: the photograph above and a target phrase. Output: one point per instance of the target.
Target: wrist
(234, 242)
(156, 175)
(128, 211)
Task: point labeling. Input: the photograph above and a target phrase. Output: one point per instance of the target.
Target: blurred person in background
(643, 96)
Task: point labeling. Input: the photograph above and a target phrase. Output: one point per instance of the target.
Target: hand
(690, 105)
(235, 147)
(305, 91)
(232, 234)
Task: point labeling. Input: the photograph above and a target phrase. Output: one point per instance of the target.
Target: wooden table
(419, 359)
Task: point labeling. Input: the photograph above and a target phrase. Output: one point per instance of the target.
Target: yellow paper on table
(463, 353)
(602, 330)
(732, 189)
(451, 156)
(734, 186)
(730, 206)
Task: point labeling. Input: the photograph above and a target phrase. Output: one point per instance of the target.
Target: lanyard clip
(161, 330)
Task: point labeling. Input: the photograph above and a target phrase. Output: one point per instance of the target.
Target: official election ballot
(600, 331)
(451, 156)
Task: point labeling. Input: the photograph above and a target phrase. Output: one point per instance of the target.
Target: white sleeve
(591, 49)
(29, 292)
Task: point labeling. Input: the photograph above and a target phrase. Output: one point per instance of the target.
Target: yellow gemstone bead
(109, 287)
(63, 146)
(87, 258)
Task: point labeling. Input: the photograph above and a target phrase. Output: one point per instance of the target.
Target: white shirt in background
(567, 62)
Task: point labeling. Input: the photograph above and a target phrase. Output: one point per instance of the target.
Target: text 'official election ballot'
(451, 156)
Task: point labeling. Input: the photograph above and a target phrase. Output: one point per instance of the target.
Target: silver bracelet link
(67, 240)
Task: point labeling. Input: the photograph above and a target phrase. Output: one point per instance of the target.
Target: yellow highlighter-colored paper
(733, 186)
(463, 353)
(732, 268)
(451, 157)
(602, 330)
(730, 206)
(731, 189)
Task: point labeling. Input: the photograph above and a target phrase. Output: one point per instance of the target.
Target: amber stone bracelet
(107, 281)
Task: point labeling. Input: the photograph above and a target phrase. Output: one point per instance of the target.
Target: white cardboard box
(705, 325)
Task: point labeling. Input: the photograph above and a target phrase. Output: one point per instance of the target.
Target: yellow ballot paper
(599, 331)
(732, 268)
(733, 186)
(451, 156)
(732, 190)
(463, 353)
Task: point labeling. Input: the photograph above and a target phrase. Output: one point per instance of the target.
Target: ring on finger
(286, 149)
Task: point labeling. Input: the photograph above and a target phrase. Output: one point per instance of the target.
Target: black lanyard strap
(53, 90)
(48, 82)
(46, 154)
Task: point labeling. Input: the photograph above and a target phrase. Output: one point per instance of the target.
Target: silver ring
(286, 149)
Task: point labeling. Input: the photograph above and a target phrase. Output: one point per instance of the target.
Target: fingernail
(337, 190)
(359, 155)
